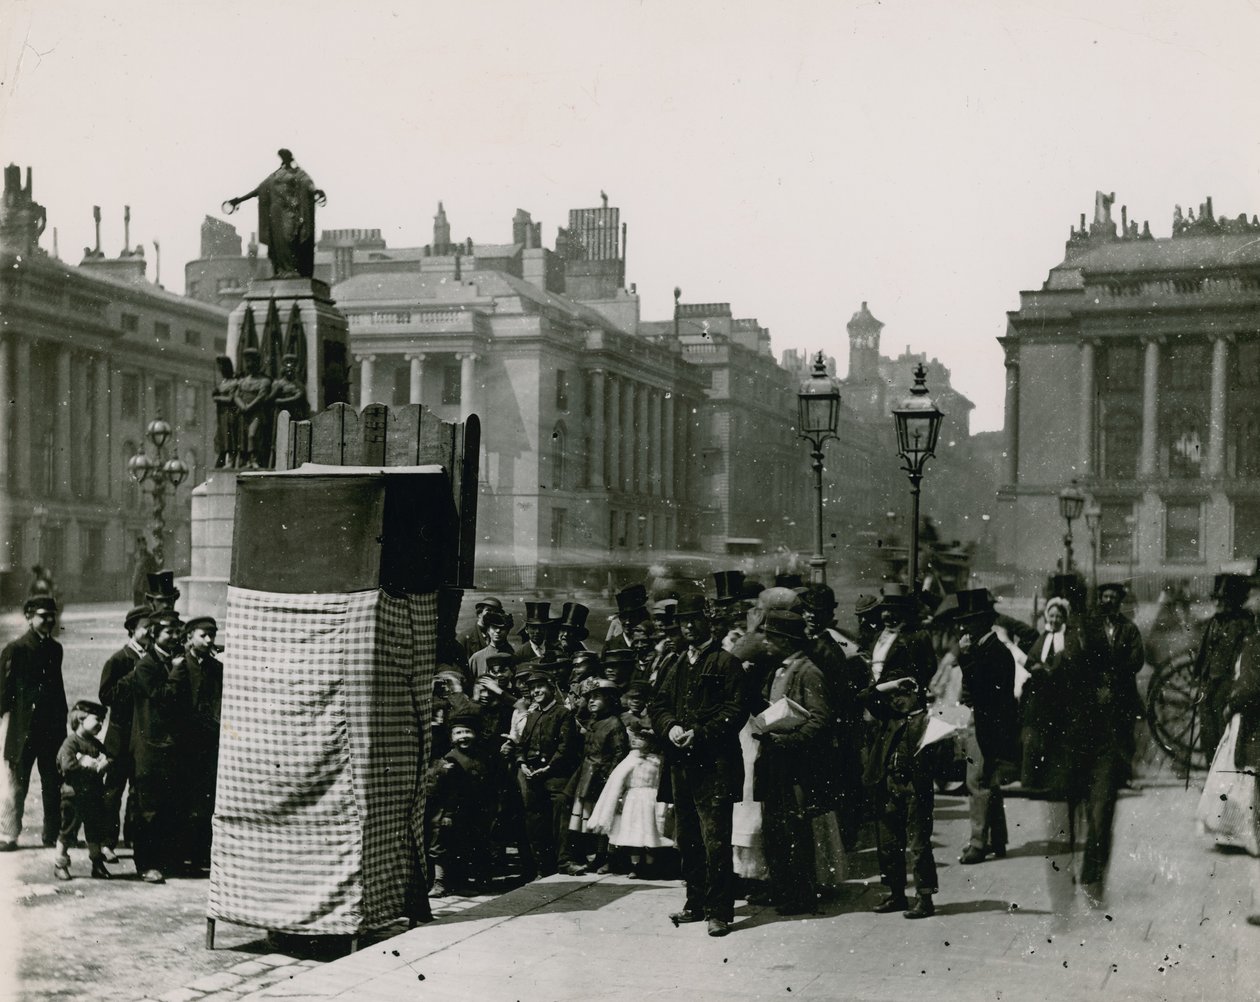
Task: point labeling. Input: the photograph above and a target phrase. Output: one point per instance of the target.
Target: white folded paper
(781, 717)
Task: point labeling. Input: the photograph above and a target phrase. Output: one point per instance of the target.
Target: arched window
(1121, 440)
(559, 474)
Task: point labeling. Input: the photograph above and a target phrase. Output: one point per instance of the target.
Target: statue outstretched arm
(230, 205)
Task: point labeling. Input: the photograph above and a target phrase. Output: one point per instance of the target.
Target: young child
(461, 808)
(82, 762)
(627, 811)
(605, 746)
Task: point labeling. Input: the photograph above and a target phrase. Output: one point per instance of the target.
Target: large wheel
(1170, 712)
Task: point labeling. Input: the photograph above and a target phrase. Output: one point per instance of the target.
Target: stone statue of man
(286, 217)
(287, 394)
(227, 424)
(253, 401)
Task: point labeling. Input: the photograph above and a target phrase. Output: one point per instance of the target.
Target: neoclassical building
(89, 355)
(1134, 370)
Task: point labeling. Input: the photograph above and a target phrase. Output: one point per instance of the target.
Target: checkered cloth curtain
(319, 811)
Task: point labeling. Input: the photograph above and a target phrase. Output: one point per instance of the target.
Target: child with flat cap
(82, 762)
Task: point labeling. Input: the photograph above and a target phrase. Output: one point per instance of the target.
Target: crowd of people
(161, 692)
(740, 739)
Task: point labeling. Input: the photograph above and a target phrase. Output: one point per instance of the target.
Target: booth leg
(209, 934)
(354, 944)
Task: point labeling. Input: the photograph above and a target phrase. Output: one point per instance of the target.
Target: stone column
(667, 488)
(1216, 410)
(657, 445)
(62, 439)
(6, 473)
(1150, 408)
(613, 479)
(1085, 465)
(100, 428)
(367, 378)
(416, 390)
(643, 438)
(20, 481)
(597, 429)
(627, 436)
(1011, 428)
(467, 384)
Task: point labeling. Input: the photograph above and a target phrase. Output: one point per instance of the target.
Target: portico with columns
(1134, 370)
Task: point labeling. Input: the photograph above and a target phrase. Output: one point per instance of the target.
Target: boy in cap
(461, 808)
(119, 665)
(82, 762)
(605, 745)
(205, 681)
(33, 719)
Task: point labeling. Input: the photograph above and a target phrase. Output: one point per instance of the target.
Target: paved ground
(1175, 929)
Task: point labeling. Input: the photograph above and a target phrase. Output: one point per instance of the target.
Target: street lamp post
(1071, 504)
(819, 417)
(918, 422)
(161, 474)
(1093, 521)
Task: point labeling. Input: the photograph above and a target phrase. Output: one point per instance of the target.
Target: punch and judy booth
(331, 634)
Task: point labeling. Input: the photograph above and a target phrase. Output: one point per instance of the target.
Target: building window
(190, 288)
(402, 383)
(1121, 441)
(191, 418)
(130, 395)
(1244, 440)
(613, 540)
(1188, 366)
(162, 404)
(1246, 367)
(1181, 530)
(558, 519)
(162, 331)
(450, 384)
(562, 390)
(1115, 532)
(192, 339)
(220, 345)
(92, 553)
(226, 285)
(1185, 435)
(558, 457)
(130, 323)
(1246, 529)
(1123, 368)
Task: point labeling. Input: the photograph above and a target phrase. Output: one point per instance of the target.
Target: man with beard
(698, 710)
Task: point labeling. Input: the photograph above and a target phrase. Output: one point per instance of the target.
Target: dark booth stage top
(345, 528)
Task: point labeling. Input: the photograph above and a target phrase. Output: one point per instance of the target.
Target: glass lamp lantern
(918, 424)
(1071, 502)
(819, 403)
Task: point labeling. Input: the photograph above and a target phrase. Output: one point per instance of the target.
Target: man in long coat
(988, 687)
(119, 665)
(698, 710)
(1222, 643)
(33, 721)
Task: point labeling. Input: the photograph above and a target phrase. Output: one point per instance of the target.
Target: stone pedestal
(213, 516)
(325, 327)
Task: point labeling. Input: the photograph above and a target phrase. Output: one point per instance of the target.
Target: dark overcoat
(119, 665)
(988, 687)
(802, 757)
(1244, 699)
(606, 744)
(160, 701)
(549, 737)
(709, 697)
(33, 695)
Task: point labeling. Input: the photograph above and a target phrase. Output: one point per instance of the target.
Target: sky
(793, 159)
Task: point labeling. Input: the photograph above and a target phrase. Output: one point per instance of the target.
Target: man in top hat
(570, 629)
(494, 625)
(162, 594)
(536, 633)
(160, 699)
(847, 673)
(725, 610)
(205, 682)
(118, 666)
(698, 711)
(476, 636)
(631, 610)
(901, 649)
(988, 687)
(547, 752)
(1126, 654)
(793, 772)
(1227, 631)
(33, 719)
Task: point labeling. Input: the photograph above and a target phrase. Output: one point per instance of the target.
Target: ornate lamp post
(818, 418)
(1093, 522)
(918, 427)
(160, 474)
(1071, 504)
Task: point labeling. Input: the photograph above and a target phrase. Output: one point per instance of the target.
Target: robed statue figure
(286, 217)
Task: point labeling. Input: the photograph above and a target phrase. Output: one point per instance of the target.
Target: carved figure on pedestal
(286, 217)
(287, 394)
(227, 429)
(253, 402)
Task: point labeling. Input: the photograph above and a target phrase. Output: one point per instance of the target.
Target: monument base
(213, 518)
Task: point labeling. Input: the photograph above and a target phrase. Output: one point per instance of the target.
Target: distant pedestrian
(33, 721)
(82, 762)
(145, 565)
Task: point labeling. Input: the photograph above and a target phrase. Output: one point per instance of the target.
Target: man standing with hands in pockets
(699, 708)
